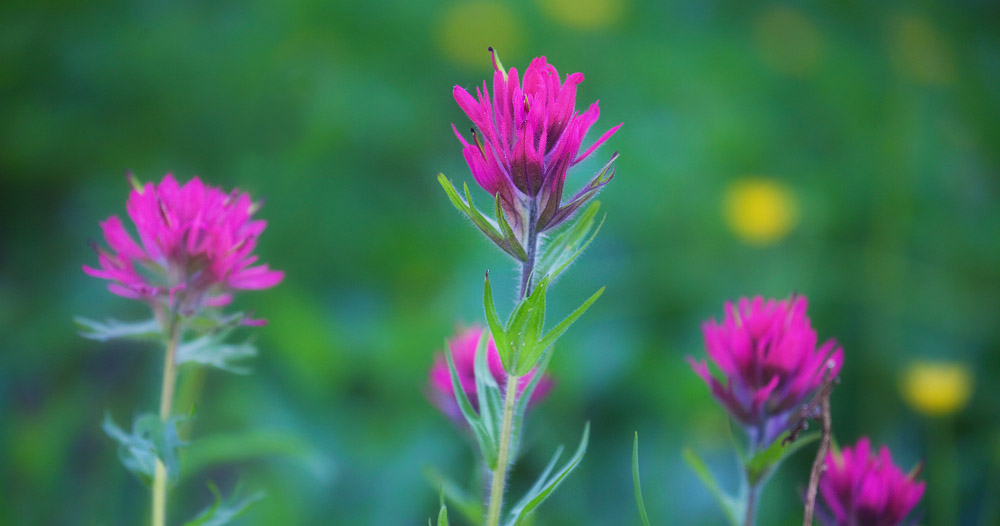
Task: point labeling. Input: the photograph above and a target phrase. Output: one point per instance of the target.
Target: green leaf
(443, 512)
(151, 439)
(468, 505)
(233, 447)
(486, 441)
(521, 407)
(508, 232)
(637, 484)
(526, 362)
(496, 327)
(112, 329)
(487, 390)
(730, 508)
(546, 484)
(477, 218)
(212, 351)
(564, 248)
(765, 461)
(222, 512)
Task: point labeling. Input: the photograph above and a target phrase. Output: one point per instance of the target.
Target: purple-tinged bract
(771, 365)
(530, 134)
(861, 488)
(463, 352)
(196, 247)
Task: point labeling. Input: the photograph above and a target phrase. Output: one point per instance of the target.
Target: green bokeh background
(883, 120)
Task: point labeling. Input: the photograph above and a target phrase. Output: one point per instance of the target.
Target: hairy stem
(510, 396)
(819, 464)
(166, 404)
(500, 474)
(529, 264)
(752, 495)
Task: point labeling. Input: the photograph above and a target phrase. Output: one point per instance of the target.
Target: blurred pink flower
(767, 353)
(196, 246)
(860, 488)
(530, 136)
(463, 351)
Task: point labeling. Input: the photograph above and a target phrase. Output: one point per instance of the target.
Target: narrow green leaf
(521, 407)
(487, 390)
(222, 512)
(637, 484)
(487, 442)
(212, 351)
(443, 512)
(468, 505)
(525, 363)
(112, 329)
(536, 488)
(225, 448)
(497, 328)
(540, 492)
(765, 461)
(508, 232)
(564, 248)
(470, 211)
(730, 508)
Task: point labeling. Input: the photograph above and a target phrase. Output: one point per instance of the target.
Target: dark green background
(338, 116)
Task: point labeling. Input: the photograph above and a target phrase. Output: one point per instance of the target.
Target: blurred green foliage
(881, 120)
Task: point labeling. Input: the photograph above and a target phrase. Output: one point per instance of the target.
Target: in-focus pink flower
(196, 246)
(463, 351)
(767, 353)
(860, 488)
(529, 136)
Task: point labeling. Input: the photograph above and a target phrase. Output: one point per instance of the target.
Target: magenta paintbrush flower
(767, 353)
(463, 351)
(860, 488)
(529, 136)
(196, 246)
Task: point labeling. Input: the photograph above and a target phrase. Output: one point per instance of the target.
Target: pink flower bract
(196, 246)
(463, 351)
(531, 135)
(861, 488)
(767, 353)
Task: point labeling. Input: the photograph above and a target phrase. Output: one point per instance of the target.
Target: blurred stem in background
(942, 472)
(510, 398)
(166, 405)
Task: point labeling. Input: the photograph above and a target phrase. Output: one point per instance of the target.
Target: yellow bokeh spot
(919, 51)
(584, 14)
(468, 29)
(788, 42)
(937, 388)
(759, 211)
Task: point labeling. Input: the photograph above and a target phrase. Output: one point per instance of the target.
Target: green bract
(520, 342)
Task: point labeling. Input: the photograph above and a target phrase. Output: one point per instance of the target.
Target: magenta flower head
(860, 488)
(463, 351)
(767, 353)
(530, 135)
(196, 247)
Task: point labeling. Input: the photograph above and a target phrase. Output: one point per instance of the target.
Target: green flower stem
(510, 397)
(752, 495)
(500, 474)
(166, 404)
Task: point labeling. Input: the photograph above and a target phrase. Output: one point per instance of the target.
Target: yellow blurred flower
(937, 388)
(584, 14)
(467, 29)
(759, 211)
(788, 42)
(919, 51)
